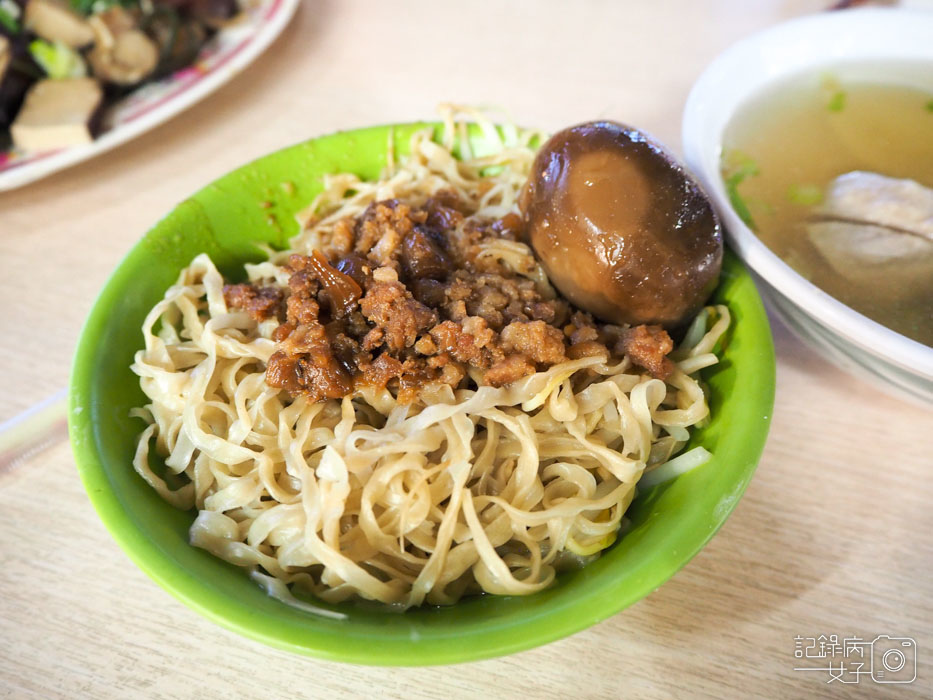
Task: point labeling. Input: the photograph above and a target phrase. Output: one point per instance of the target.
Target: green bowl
(256, 204)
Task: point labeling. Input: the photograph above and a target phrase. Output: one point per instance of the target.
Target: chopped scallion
(681, 464)
(837, 102)
(57, 60)
(806, 195)
(87, 7)
(737, 167)
(8, 19)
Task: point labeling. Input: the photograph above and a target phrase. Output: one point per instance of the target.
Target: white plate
(223, 57)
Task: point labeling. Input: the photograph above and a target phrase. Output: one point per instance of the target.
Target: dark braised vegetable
(212, 13)
(622, 230)
(342, 290)
(358, 268)
(179, 39)
(423, 255)
(18, 71)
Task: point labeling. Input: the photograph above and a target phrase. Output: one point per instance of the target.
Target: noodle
(467, 490)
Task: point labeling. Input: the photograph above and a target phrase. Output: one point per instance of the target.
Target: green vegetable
(929, 106)
(592, 548)
(835, 95)
(737, 167)
(837, 102)
(681, 464)
(87, 7)
(806, 195)
(696, 331)
(9, 16)
(57, 60)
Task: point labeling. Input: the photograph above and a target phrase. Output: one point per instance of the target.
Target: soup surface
(786, 148)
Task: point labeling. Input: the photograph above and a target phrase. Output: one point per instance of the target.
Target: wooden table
(834, 535)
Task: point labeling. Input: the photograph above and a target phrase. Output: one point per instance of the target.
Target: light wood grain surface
(834, 535)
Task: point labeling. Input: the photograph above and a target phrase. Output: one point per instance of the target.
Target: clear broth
(789, 142)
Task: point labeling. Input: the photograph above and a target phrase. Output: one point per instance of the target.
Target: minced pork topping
(403, 297)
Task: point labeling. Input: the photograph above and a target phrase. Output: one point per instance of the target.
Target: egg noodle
(471, 490)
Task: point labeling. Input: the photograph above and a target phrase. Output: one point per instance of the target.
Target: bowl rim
(873, 28)
(559, 620)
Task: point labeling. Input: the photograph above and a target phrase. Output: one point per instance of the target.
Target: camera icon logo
(893, 659)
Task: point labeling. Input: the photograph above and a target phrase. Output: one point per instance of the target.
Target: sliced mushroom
(58, 113)
(53, 20)
(122, 54)
(112, 21)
